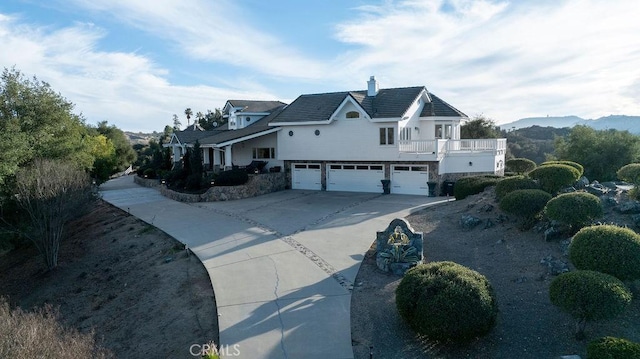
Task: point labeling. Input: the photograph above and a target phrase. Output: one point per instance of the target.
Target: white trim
(246, 138)
(353, 101)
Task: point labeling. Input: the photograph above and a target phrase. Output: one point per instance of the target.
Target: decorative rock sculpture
(398, 248)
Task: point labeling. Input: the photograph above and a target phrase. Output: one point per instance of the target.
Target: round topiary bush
(526, 204)
(233, 177)
(630, 173)
(612, 348)
(575, 165)
(520, 165)
(608, 249)
(446, 301)
(576, 209)
(468, 186)
(510, 184)
(589, 295)
(553, 177)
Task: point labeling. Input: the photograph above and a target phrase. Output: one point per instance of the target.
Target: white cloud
(211, 31)
(126, 89)
(506, 60)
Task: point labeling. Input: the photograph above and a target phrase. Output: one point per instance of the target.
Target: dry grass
(39, 334)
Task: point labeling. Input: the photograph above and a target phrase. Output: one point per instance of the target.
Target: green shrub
(526, 204)
(613, 348)
(514, 183)
(468, 186)
(576, 209)
(553, 177)
(149, 173)
(588, 295)
(630, 173)
(575, 165)
(520, 165)
(446, 301)
(233, 177)
(608, 249)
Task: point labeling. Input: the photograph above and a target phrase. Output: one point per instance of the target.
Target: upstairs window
(387, 136)
(443, 131)
(405, 134)
(264, 153)
(353, 114)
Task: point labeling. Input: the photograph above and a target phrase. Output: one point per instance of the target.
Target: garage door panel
(355, 178)
(306, 176)
(410, 180)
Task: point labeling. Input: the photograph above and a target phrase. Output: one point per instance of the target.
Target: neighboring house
(245, 137)
(350, 141)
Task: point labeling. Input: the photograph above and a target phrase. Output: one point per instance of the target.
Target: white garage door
(410, 180)
(354, 178)
(306, 176)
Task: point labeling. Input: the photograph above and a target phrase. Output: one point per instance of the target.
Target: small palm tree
(188, 112)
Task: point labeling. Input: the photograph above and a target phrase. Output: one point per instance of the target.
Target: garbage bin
(447, 188)
(432, 188)
(386, 186)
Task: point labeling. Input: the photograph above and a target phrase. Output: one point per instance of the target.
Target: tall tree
(37, 122)
(51, 192)
(601, 153)
(176, 123)
(480, 127)
(212, 119)
(124, 153)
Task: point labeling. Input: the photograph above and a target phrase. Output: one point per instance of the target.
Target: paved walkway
(282, 265)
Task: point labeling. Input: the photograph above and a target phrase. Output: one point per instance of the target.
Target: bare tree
(52, 193)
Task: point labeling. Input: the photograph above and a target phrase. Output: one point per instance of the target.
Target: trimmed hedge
(575, 165)
(468, 186)
(630, 173)
(613, 348)
(554, 177)
(526, 204)
(608, 249)
(510, 184)
(576, 209)
(520, 165)
(233, 177)
(589, 295)
(446, 301)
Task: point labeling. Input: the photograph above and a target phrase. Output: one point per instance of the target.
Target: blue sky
(136, 63)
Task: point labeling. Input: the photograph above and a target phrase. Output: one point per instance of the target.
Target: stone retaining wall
(145, 182)
(257, 185)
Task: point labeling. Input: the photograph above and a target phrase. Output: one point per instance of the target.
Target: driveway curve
(282, 265)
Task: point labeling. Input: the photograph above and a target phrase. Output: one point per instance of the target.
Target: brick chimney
(372, 86)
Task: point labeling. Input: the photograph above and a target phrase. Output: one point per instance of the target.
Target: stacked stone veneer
(145, 182)
(257, 185)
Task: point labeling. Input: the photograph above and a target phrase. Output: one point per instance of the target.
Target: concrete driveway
(282, 265)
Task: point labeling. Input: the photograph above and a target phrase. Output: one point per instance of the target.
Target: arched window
(353, 114)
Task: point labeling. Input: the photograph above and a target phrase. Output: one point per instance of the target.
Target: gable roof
(253, 106)
(438, 107)
(224, 135)
(387, 103)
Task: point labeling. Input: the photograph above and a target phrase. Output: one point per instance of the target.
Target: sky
(136, 63)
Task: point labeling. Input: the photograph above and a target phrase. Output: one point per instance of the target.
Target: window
(405, 134)
(443, 131)
(387, 136)
(264, 153)
(353, 114)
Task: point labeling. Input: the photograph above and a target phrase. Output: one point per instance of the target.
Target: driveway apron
(282, 265)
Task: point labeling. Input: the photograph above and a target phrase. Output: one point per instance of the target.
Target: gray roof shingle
(388, 103)
(253, 106)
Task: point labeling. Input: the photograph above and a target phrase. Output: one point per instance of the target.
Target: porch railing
(440, 146)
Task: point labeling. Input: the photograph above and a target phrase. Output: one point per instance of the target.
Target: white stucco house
(350, 141)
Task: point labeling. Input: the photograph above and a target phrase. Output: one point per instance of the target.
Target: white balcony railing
(441, 147)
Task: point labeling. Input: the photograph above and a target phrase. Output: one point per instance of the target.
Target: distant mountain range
(615, 122)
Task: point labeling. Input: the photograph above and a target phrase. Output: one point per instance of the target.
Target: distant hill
(617, 122)
(140, 138)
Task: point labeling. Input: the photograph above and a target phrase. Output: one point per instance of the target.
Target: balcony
(440, 147)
